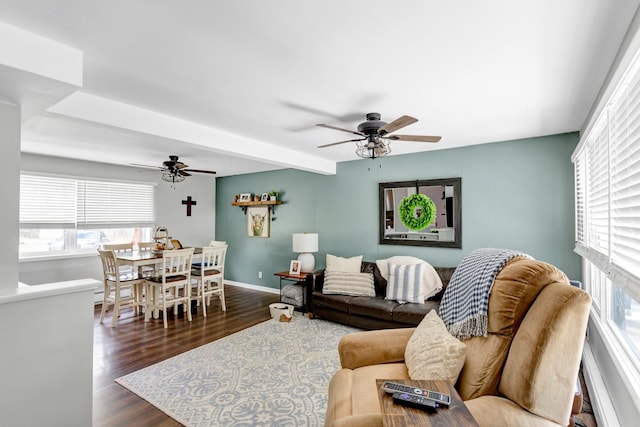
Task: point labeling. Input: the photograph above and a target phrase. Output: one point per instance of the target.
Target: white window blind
(104, 204)
(47, 202)
(607, 175)
(53, 202)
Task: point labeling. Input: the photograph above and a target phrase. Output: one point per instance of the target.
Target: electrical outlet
(259, 274)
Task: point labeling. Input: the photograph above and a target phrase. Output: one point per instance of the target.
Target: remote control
(415, 401)
(391, 387)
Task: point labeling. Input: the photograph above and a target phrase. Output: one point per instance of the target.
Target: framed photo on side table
(294, 267)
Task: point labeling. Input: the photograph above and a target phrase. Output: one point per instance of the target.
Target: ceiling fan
(174, 170)
(375, 135)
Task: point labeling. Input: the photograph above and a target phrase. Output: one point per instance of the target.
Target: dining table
(139, 259)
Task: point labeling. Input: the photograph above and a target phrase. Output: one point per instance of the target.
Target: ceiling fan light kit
(375, 135)
(173, 170)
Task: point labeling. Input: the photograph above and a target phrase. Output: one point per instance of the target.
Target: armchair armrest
(373, 347)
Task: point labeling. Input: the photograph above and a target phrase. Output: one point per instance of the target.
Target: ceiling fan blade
(180, 165)
(182, 172)
(198, 171)
(341, 142)
(418, 138)
(342, 129)
(396, 124)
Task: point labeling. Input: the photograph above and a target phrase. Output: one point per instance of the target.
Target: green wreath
(417, 212)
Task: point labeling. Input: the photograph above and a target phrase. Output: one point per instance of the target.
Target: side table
(455, 415)
(303, 280)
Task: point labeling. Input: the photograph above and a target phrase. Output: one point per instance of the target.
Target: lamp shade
(305, 242)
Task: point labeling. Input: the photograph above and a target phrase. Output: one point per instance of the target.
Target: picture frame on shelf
(264, 197)
(245, 197)
(294, 267)
(258, 221)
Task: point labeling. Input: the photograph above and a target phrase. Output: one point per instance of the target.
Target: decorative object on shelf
(417, 212)
(305, 244)
(264, 197)
(245, 200)
(273, 195)
(421, 213)
(294, 267)
(189, 203)
(258, 221)
(245, 197)
(256, 198)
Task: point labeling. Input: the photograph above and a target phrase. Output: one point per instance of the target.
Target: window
(607, 217)
(68, 215)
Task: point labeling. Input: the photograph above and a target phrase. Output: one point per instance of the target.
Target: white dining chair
(121, 288)
(172, 285)
(217, 243)
(208, 276)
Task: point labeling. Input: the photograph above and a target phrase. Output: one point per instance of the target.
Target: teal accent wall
(515, 195)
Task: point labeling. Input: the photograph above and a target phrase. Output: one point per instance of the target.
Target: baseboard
(603, 409)
(254, 287)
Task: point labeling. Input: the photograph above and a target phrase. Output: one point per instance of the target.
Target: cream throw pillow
(345, 265)
(432, 353)
(431, 282)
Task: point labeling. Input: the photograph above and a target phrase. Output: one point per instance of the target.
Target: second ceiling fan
(374, 135)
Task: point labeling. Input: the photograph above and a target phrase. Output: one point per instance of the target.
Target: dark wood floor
(133, 345)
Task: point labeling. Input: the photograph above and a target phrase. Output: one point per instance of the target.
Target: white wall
(9, 193)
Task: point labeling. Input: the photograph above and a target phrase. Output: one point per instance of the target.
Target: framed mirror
(421, 213)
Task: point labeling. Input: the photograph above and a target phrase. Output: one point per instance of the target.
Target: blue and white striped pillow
(405, 283)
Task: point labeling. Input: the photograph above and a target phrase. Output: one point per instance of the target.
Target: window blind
(104, 204)
(607, 182)
(47, 202)
(53, 202)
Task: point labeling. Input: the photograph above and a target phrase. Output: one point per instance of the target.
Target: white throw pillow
(431, 282)
(347, 265)
(355, 284)
(432, 353)
(405, 283)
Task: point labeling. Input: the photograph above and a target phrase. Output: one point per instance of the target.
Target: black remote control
(415, 401)
(441, 398)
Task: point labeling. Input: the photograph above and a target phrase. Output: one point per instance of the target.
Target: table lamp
(304, 244)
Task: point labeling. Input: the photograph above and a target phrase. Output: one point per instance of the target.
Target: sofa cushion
(432, 353)
(343, 283)
(336, 302)
(431, 281)
(412, 314)
(336, 263)
(378, 308)
(405, 283)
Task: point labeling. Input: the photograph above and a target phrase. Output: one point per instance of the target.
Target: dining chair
(172, 285)
(121, 288)
(146, 246)
(217, 243)
(118, 247)
(208, 276)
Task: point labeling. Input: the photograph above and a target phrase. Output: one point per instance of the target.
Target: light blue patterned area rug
(272, 374)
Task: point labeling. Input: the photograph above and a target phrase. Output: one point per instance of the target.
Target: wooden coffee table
(395, 415)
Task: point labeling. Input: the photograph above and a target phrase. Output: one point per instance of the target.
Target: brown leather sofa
(373, 312)
(522, 374)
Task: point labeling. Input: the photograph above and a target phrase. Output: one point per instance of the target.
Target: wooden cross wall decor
(189, 203)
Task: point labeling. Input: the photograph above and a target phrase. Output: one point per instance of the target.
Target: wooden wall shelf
(269, 203)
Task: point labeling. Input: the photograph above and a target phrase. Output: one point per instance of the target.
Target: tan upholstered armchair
(523, 373)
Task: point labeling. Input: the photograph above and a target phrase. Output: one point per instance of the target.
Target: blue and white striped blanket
(465, 303)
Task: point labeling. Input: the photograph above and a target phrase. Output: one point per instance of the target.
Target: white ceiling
(238, 86)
